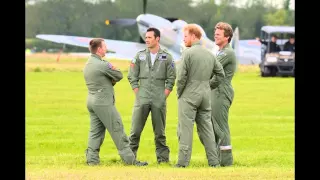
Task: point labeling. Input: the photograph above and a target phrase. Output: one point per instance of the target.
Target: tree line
(87, 18)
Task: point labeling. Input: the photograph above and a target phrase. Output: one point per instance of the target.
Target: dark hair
(156, 32)
(94, 44)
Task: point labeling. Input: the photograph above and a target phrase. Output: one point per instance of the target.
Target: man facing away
(100, 77)
(198, 65)
(152, 76)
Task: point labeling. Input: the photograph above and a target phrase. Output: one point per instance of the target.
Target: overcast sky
(239, 3)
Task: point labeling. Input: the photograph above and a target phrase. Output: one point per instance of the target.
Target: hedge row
(41, 45)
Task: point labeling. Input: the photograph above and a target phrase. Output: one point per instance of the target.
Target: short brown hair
(94, 44)
(193, 29)
(228, 32)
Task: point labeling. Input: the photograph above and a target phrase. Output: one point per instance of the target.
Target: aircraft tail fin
(235, 41)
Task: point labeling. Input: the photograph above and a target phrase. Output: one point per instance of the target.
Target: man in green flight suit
(198, 65)
(100, 77)
(222, 96)
(152, 76)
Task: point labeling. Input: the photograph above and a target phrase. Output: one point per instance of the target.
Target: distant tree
(286, 5)
(276, 18)
(87, 18)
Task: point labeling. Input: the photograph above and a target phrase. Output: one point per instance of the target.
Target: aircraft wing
(250, 43)
(122, 49)
(249, 51)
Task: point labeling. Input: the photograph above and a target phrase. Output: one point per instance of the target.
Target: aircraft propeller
(144, 6)
(121, 22)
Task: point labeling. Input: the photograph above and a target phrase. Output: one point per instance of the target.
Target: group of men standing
(204, 93)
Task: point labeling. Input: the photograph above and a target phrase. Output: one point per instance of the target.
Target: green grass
(57, 126)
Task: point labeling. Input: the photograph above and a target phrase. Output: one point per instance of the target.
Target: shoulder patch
(110, 66)
(132, 63)
(142, 56)
(172, 64)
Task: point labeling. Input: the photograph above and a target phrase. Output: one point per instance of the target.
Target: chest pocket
(160, 69)
(144, 69)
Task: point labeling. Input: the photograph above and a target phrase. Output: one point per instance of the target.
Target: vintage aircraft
(247, 51)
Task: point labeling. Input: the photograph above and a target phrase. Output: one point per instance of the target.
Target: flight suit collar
(195, 43)
(96, 56)
(227, 46)
(160, 51)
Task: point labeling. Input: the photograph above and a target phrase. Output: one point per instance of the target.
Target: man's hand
(113, 82)
(167, 92)
(136, 90)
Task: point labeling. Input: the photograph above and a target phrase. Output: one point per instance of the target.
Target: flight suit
(198, 65)
(221, 99)
(98, 75)
(152, 82)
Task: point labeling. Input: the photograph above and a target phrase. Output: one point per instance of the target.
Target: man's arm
(170, 76)
(278, 47)
(218, 72)
(261, 41)
(133, 75)
(111, 71)
(182, 73)
(286, 46)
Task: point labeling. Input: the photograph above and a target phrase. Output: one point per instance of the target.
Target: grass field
(57, 125)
